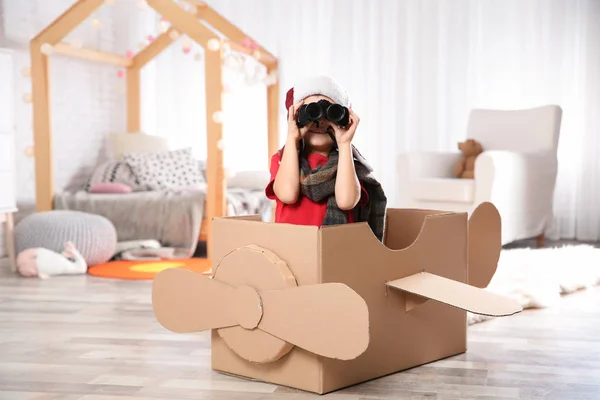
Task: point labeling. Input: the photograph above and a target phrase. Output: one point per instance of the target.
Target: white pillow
(137, 142)
(170, 170)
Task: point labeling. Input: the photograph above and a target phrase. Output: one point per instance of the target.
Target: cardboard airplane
(322, 308)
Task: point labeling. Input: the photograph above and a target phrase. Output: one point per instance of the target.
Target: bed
(174, 219)
(204, 26)
(151, 192)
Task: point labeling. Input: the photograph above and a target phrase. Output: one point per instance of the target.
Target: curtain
(414, 69)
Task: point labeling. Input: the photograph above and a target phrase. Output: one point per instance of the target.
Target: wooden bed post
(273, 117)
(42, 132)
(40, 91)
(134, 113)
(216, 185)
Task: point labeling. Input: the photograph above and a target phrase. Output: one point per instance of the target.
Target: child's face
(317, 137)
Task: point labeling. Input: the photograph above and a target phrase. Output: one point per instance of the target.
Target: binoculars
(315, 111)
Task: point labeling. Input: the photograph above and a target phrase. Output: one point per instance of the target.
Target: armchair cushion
(443, 189)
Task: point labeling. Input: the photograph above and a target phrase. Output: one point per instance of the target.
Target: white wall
(86, 102)
(87, 99)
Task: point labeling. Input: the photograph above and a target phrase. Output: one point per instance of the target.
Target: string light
(29, 151)
(174, 35)
(163, 25)
(271, 78)
(213, 44)
(226, 48)
(217, 117)
(187, 45)
(256, 54)
(46, 49)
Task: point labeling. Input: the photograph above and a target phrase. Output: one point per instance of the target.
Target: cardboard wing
(484, 247)
(312, 317)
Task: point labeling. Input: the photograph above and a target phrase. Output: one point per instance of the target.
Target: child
(320, 178)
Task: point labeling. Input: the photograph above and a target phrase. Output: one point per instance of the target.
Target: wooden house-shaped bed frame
(199, 25)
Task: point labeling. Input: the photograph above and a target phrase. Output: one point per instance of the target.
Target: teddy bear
(465, 167)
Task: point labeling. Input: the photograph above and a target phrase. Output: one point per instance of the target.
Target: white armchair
(516, 171)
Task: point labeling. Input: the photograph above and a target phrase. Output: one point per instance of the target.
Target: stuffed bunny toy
(43, 263)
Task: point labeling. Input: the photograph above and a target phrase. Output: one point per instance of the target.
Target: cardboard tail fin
(456, 294)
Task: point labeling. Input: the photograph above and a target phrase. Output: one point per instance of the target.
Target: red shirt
(304, 211)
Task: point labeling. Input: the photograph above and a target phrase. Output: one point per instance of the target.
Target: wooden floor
(82, 337)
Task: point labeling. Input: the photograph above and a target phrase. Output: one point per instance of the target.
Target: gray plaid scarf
(319, 185)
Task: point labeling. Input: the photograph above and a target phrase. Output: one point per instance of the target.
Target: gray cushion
(94, 236)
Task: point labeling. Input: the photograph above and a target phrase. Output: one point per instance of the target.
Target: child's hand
(345, 135)
(293, 131)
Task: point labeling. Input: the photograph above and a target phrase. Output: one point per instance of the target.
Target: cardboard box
(320, 309)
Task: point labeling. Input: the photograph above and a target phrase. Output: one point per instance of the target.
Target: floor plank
(88, 338)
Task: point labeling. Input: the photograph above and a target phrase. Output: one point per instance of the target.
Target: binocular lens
(314, 111)
(335, 113)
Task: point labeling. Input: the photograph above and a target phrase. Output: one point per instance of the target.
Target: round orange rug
(147, 269)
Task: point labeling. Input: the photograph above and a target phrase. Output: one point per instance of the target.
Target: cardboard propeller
(254, 297)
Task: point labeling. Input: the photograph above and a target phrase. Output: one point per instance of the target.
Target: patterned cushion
(113, 171)
(170, 170)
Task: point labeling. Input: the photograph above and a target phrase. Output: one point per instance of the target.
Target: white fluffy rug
(538, 277)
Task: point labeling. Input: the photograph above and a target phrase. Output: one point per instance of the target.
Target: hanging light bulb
(174, 35)
(186, 45)
(226, 48)
(213, 44)
(46, 49)
(271, 78)
(163, 25)
(218, 117)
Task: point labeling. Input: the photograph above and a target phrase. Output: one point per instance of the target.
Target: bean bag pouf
(94, 236)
